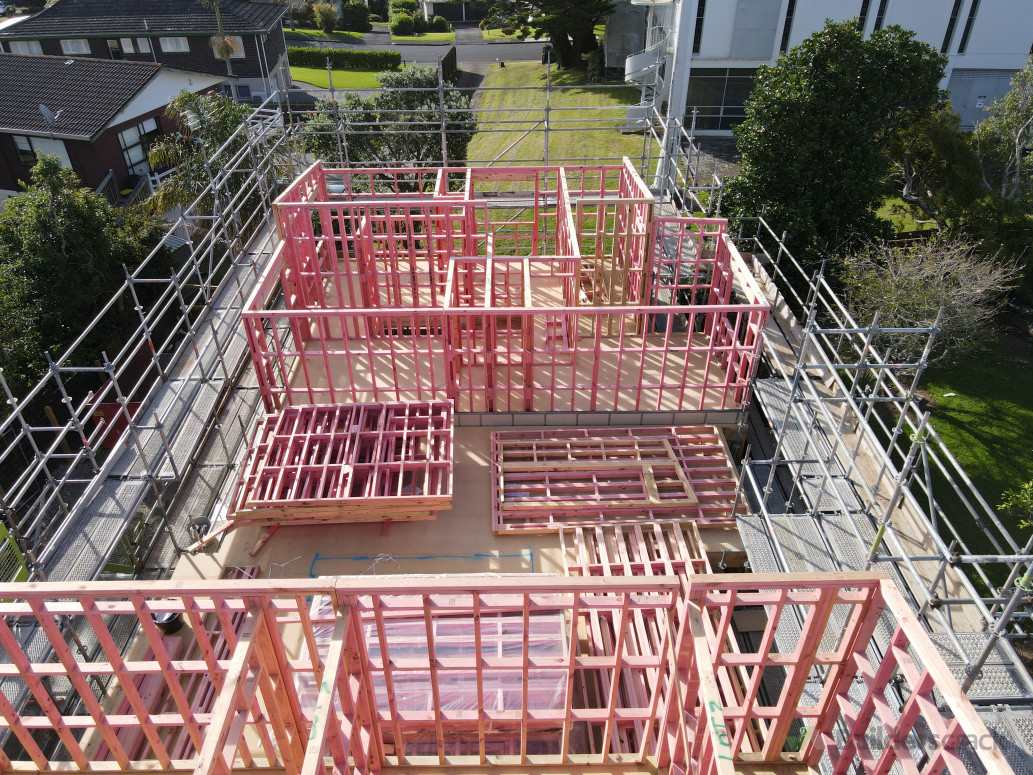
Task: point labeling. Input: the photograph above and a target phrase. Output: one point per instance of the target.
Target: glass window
(26, 155)
(75, 46)
(144, 45)
(136, 142)
(26, 47)
(114, 49)
(174, 44)
(719, 95)
(697, 38)
(127, 45)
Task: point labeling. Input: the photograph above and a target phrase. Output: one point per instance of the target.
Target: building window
(136, 142)
(75, 46)
(127, 45)
(144, 45)
(862, 20)
(951, 24)
(114, 49)
(788, 28)
(237, 43)
(174, 45)
(26, 47)
(719, 95)
(968, 26)
(880, 17)
(26, 155)
(697, 38)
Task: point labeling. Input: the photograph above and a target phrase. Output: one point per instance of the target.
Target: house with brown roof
(175, 33)
(97, 116)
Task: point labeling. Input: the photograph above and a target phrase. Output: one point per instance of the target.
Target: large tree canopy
(569, 24)
(1005, 140)
(978, 183)
(910, 286)
(812, 144)
(62, 252)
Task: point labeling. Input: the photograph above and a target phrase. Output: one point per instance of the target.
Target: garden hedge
(310, 56)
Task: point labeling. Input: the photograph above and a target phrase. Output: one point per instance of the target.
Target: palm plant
(206, 122)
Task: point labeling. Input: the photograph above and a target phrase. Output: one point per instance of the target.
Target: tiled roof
(115, 18)
(88, 92)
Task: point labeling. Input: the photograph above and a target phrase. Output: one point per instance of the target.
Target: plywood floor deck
(460, 540)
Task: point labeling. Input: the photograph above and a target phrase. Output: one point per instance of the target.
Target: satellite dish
(48, 115)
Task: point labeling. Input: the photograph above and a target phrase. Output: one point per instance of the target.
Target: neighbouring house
(97, 116)
(454, 10)
(176, 33)
(707, 54)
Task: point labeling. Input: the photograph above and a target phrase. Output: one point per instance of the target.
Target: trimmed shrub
(355, 17)
(440, 24)
(403, 24)
(326, 17)
(379, 8)
(404, 6)
(343, 58)
(375, 18)
(420, 24)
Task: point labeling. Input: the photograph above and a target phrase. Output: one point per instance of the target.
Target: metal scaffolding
(116, 460)
(854, 469)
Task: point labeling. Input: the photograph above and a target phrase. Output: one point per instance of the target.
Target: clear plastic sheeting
(453, 637)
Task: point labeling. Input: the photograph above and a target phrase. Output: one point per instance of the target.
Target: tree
(222, 44)
(933, 168)
(1005, 140)
(394, 126)
(1018, 503)
(816, 124)
(326, 17)
(206, 122)
(909, 285)
(569, 24)
(355, 17)
(62, 252)
(978, 183)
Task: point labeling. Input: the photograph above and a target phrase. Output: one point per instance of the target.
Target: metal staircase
(646, 68)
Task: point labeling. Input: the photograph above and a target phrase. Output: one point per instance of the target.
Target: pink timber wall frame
(405, 285)
(669, 687)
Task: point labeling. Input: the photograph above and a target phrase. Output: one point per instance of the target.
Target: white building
(707, 53)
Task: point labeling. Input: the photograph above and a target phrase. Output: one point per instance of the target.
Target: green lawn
(524, 108)
(497, 35)
(989, 423)
(343, 79)
(337, 35)
(425, 37)
(897, 213)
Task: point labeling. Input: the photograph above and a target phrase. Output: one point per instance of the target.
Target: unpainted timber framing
(651, 671)
(408, 285)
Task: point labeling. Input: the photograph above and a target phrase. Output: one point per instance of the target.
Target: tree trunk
(564, 51)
